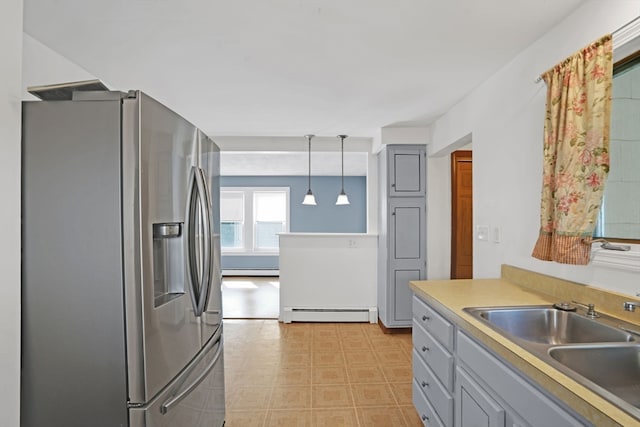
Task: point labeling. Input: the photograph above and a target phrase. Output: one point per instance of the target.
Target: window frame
(249, 224)
(630, 56)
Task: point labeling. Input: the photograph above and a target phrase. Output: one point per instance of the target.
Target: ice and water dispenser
(168, 262)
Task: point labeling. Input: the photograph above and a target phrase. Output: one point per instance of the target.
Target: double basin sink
(603, 353)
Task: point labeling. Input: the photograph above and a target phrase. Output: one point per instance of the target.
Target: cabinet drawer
(436, 394)
(434, 323)
(425, 410)
(434, 354)
(529, 402)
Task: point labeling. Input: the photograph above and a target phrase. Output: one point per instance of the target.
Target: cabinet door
(402, 293)
(407, 174)
(407, 247)
(474, 406)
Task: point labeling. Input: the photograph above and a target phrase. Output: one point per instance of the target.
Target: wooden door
(461, 215)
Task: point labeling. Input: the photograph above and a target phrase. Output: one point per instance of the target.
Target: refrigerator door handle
(192, 267)
(205, 203)
(174, 400)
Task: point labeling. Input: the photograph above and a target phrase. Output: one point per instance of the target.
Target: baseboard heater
(251, 272)
(310, 314)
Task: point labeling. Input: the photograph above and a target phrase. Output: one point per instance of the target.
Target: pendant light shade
(342, 197)
(309, 198)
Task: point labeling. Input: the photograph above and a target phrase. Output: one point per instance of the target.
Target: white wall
(42, 66)
(10, 77)
(438, 217)
(504, 117)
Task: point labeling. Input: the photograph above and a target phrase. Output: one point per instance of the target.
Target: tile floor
(317, 374)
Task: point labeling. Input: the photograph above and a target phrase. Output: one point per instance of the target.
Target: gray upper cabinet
(407, 177)
(402, 235)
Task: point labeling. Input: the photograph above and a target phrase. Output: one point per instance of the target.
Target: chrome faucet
(591, 309)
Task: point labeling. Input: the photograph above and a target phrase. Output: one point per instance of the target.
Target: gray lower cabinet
(458, 382)
(402, 236)
(475, 406)
(433, 365)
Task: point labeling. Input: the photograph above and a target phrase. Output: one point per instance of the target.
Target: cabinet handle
(425, 348)
(424, 384)
(425, 318)
(424, 417)
(393, 185)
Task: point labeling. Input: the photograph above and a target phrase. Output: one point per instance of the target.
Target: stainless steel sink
(615, 368)
(548, 325)
(602, 354)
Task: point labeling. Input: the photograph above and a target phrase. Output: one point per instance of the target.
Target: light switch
(482, 233)
(497, 234)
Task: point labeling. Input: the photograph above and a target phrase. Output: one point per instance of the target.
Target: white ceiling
(292, 67)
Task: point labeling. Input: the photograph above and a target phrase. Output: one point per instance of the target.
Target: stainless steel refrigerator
(121, 298)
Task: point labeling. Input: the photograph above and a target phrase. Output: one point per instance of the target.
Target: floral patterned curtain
(576, 152)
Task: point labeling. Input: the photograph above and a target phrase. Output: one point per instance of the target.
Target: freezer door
(160, 150)
(194, 399)
(210, 164)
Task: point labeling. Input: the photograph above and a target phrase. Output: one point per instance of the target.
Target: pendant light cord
(342, 173)
(342, 137)
(309, 140)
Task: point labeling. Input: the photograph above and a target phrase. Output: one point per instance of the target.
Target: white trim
(619, 260)
(626, 40)
(314, 314)
(251, 272)
(242, 252)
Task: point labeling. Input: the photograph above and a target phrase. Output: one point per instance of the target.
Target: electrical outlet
(482, 233)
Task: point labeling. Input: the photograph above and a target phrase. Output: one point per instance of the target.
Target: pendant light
(342, 197)
(309, 198)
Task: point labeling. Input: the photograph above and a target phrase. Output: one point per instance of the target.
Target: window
(251, 218)
(270, 213)
(620, 214)
(231, 219)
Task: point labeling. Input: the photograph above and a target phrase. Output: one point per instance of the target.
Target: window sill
(619, 260)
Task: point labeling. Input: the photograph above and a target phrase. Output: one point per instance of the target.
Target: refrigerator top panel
(160, 153)
(65, 91)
